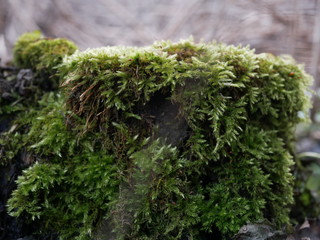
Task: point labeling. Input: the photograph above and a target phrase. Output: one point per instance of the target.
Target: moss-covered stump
(172, 141)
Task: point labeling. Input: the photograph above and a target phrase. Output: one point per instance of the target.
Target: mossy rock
(171, 141)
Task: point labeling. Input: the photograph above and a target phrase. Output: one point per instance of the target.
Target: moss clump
(22, 43)
(40, 54)
(184, 51)
(171, 141)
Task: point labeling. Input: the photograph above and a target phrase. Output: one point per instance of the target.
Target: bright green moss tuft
(22, 43)
(171, 141)
(41, 54)
(184, 51)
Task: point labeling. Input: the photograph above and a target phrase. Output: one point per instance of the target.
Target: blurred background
(274, 26)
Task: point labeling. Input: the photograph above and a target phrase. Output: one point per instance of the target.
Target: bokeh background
(274, 26)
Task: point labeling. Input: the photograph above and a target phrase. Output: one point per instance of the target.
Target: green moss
(22, 43)
(25, 89)
(184, 51)
(76, 180)
(73, 197)
(41, 54)
(171, 141)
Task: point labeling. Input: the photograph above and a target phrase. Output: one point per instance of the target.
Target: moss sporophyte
(171, 141)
